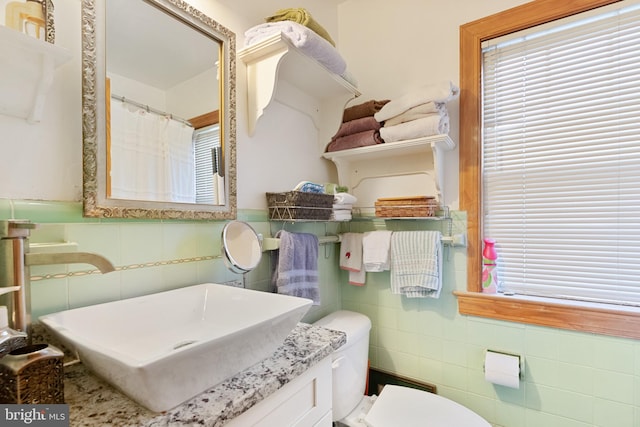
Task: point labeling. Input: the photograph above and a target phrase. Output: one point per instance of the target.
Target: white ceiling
(146, 44)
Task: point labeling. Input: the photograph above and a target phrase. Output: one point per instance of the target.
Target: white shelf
(418, 159)
(27, 67)
(277, 70)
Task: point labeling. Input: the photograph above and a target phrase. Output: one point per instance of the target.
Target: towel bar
(272, 243)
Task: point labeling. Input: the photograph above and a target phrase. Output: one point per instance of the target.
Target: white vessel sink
(165, 348)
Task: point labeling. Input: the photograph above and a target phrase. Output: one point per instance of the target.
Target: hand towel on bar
(375, 250)
(351, 257)
(434, 124)
(438, 92)
(416, 263)
(418, 112)
(296, 267)
(304, 39)
(303, 17)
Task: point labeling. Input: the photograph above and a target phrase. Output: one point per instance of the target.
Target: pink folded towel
(360, 139)
(356, 126)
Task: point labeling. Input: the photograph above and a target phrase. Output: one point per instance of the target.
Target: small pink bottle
(489, 271)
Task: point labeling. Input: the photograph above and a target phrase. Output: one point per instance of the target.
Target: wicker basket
(297, 205)
(415, 206)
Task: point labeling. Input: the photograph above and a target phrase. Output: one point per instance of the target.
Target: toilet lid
(408, 407)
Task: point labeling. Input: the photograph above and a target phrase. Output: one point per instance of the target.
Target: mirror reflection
(161, 76)
(160, 95)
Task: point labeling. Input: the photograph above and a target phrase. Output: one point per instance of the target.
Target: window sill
(572, 315)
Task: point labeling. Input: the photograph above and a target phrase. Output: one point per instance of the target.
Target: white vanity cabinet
(304, 402)
(27, 68)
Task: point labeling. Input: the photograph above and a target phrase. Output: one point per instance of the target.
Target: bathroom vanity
(292, 387)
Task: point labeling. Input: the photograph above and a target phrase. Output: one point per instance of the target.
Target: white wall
(391, 47)
(394, 47)
(44, 161)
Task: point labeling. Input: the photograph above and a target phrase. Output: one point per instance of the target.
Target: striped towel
(416, 263)
(295, 265)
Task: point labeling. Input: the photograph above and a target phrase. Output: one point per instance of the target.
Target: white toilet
(396, 406)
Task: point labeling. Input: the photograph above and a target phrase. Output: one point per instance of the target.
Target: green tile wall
(571, 379)
(150, 256)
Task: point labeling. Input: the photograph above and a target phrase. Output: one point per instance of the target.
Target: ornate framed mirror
(158, 111)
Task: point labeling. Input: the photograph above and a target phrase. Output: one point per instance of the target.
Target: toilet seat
(408, 407)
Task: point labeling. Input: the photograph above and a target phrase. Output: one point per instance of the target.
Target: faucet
(15, 260)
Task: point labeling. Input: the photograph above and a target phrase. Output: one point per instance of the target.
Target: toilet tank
(350, 361)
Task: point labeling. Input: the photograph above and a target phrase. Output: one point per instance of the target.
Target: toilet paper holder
(503, 368)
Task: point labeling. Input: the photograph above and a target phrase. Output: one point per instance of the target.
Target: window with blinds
(561, 158)
(206, 139)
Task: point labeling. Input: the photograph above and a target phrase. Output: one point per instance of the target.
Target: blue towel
(416, 263)
(296, 266)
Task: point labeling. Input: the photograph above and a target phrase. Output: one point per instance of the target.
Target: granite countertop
(93, 402)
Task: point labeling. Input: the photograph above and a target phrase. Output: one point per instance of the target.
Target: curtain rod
(151, 109)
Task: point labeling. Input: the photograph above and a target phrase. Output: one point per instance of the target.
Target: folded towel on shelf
(351, 257)
(418, 112)
(416, 263)
(360, 139)
(309, 187)
(295, 267)
(435, 124)
(342, 206)
(368, 108)
(439, 92)
(303, 17)
(304, 39)
(376, 250)
(341, 215)
(356, 126)
(344, 198)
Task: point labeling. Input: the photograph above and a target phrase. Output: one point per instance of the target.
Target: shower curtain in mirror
(152, 156)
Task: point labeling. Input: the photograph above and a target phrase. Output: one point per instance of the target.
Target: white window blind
(561, 158)
(205, 140)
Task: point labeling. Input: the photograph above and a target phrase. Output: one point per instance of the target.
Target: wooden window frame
(595, 318)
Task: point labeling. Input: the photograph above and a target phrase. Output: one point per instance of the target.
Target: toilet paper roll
(502, 369)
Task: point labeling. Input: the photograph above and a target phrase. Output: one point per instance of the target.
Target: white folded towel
(341, 215)
(418, 112)
(344, 198)
(439, 92)
(375, 250)
(343, 207)
(304, 39)
(435, 124)
(351, 257)
(416, 263)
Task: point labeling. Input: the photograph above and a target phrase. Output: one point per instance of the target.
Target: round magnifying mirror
(242, 248)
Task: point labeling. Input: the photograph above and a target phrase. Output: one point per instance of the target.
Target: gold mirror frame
(95, 202)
